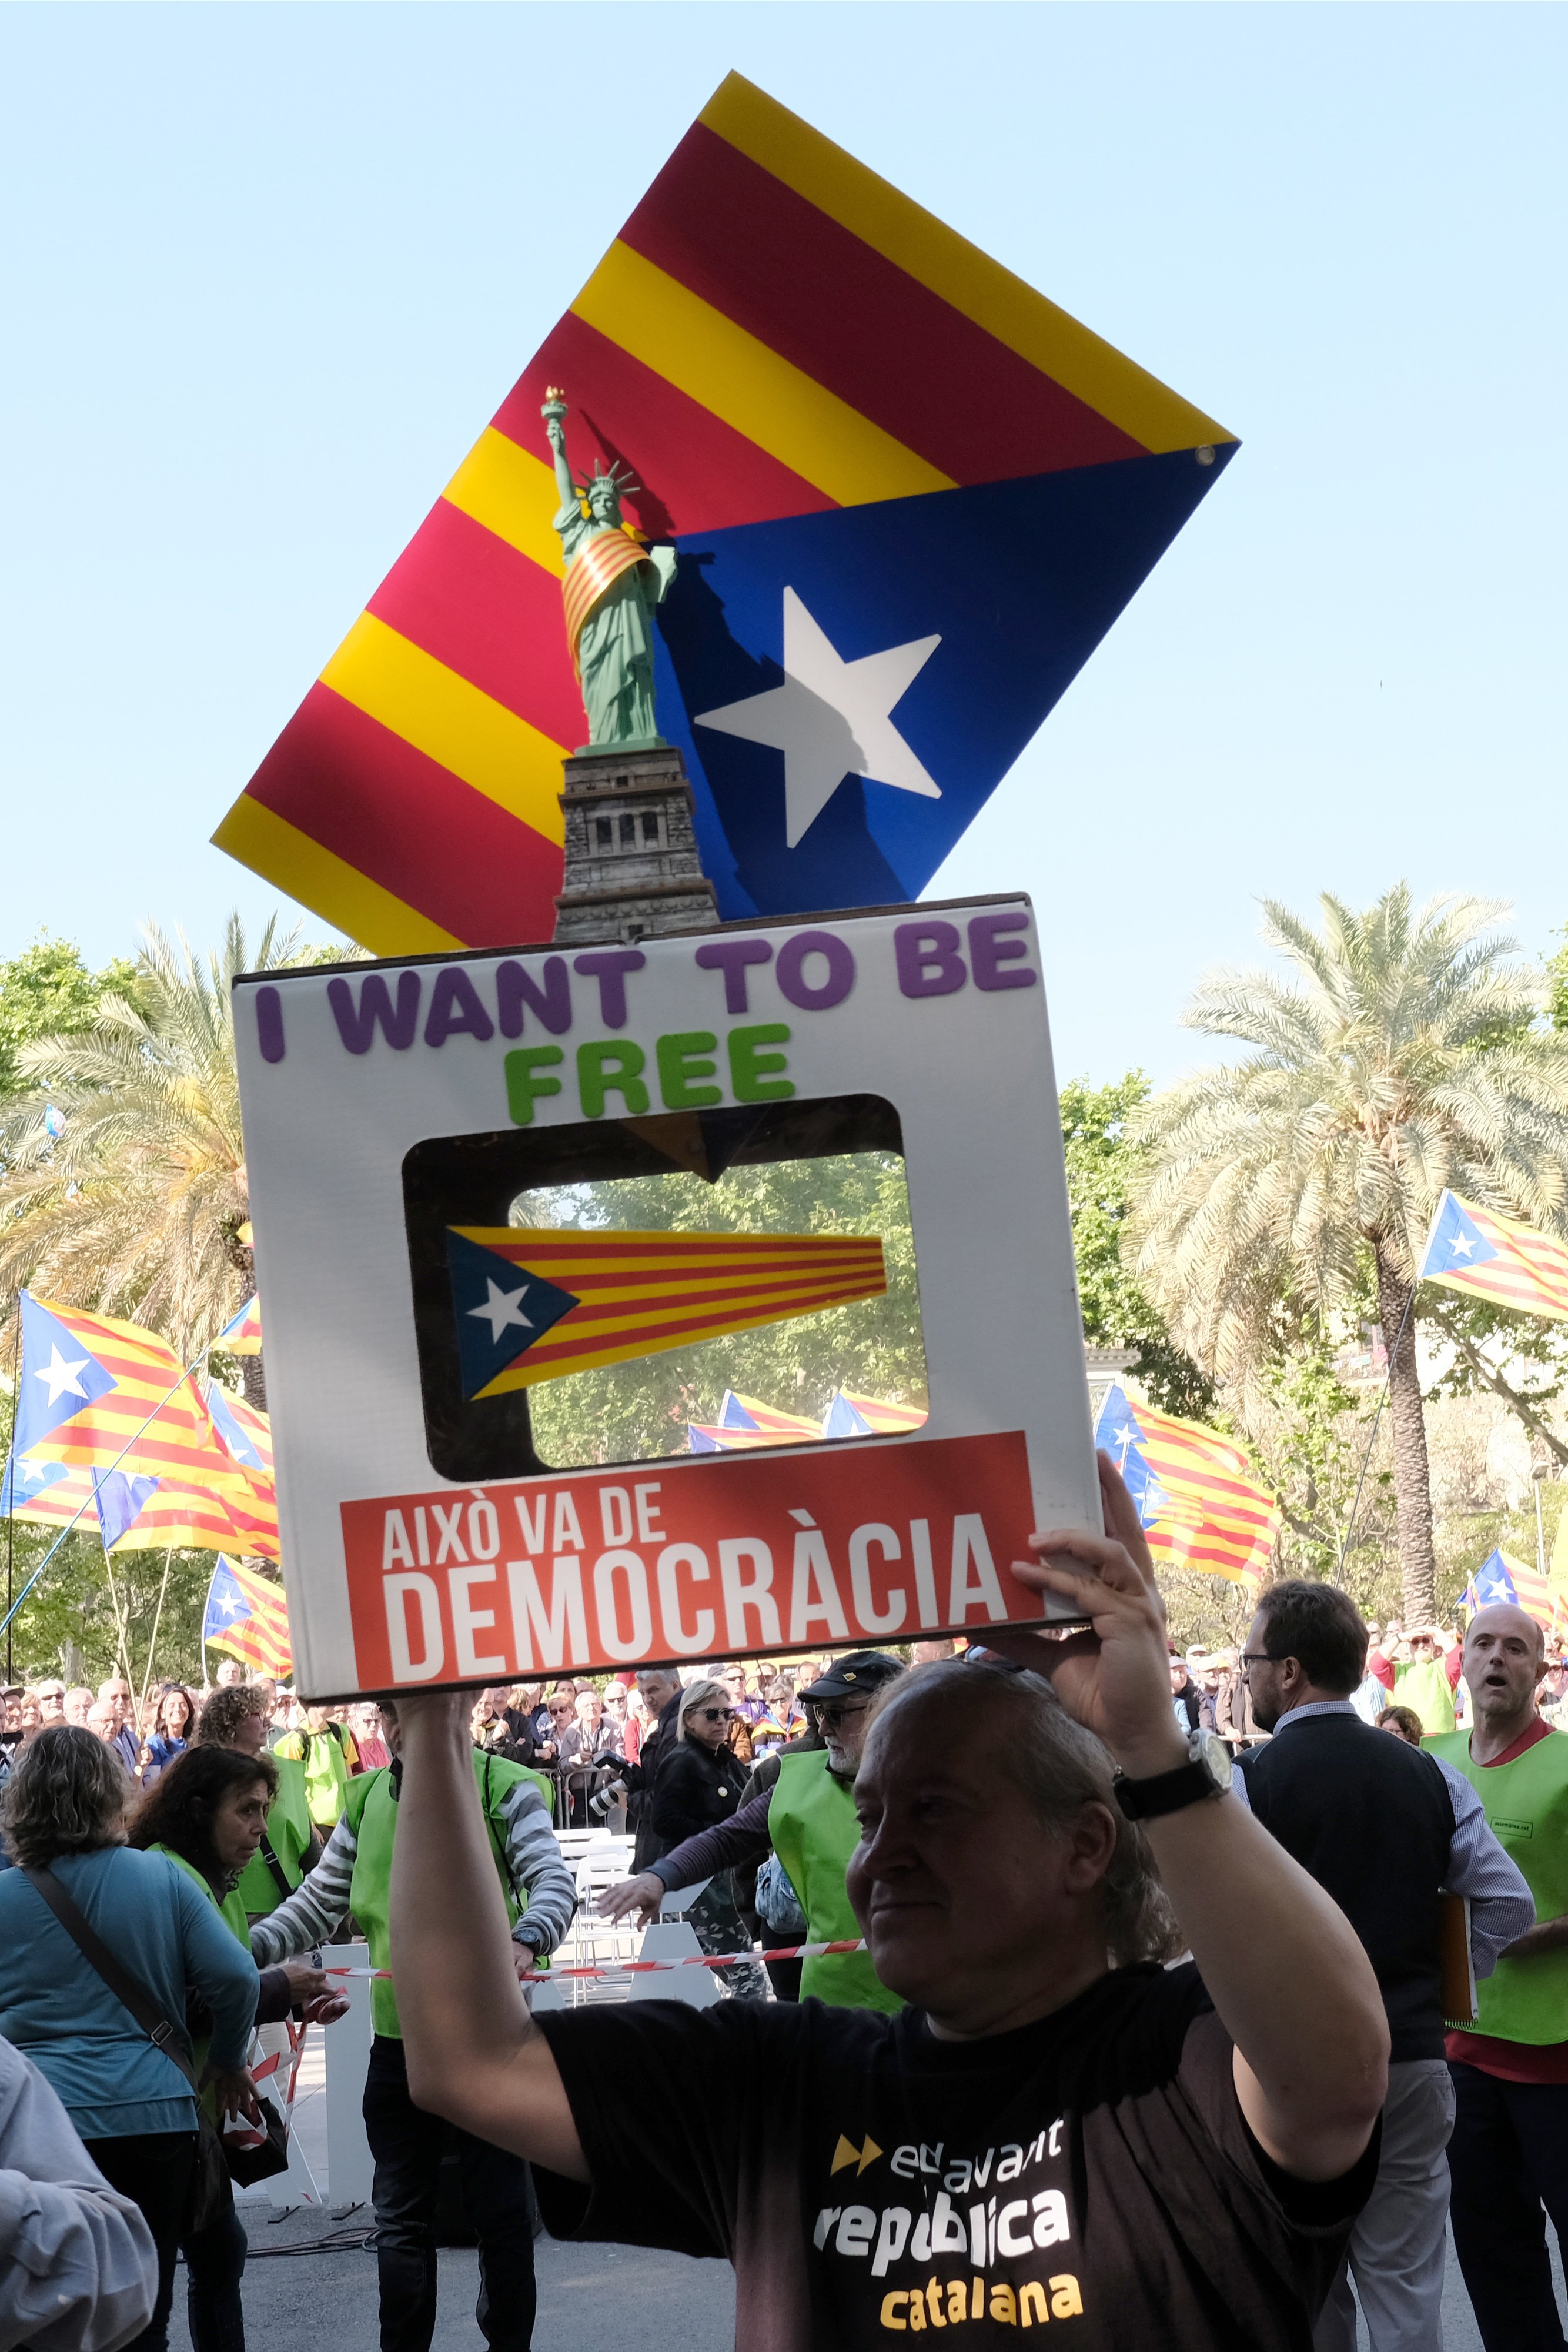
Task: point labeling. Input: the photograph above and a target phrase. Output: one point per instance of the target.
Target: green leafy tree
(1102, 1165)
(139, 1206)
(48, 991)
(1398, 1058)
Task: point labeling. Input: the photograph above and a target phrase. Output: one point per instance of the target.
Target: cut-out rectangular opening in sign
(708, 1295)
(689, 1282)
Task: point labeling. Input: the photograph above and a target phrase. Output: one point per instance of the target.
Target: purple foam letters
(840, 976)
(455, 1009)
(928, 961)
(731, 957)
(610, 966)
(357, 1023)
(517, 987)
(990, 951)
(270, 1023)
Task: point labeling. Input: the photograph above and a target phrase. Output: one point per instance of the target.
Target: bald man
(1509, 2153)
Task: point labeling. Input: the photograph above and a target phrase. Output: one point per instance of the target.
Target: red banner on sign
(809, 1551)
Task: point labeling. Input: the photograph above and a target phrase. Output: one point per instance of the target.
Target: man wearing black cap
(808, 1818)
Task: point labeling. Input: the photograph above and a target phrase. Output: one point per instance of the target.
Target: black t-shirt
(868, 2180)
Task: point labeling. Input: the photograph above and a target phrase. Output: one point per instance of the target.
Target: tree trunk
(253, 1379)
(1412, 1476)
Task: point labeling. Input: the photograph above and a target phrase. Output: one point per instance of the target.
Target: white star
(228, 1604)
(1461, 1246)
(501, 1308)
(37, 1474)
(830, 718)
(62, 1377)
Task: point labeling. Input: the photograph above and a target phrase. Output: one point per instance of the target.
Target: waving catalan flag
(861, 1416)
(744, 1422)
(95, 1394)
(1200, 1504)
(247, 1616)
(1483, 1255)
(1503, 1578)
(858, 434)
(242, 1337)
(533, 1306)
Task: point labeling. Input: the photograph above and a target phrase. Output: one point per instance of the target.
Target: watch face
(1212, 1751)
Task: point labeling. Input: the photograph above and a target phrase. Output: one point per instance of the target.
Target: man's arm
(317, 1908)
(1502, 1908)
(1296, 1992)
(475, 2055)
(729, 1845)
(79, 2271)
(536, 1869)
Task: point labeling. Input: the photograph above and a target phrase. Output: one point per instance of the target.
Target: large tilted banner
(902, 495)
(517, 1216)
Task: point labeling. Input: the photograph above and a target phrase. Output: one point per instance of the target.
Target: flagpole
(152, 1642)
(70, 1523)
(11, 1484)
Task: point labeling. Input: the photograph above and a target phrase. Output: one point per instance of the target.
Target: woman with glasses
(174, 1727)
(698, 1786)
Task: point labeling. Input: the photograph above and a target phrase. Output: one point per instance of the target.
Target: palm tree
(1400, 1055)
(140, 1207)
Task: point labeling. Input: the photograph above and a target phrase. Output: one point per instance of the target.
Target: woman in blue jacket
(64, 1811)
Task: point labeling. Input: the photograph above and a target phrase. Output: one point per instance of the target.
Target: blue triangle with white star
(60, 1377)
(500, 1310)
(24, 1480)
(1458, 1242)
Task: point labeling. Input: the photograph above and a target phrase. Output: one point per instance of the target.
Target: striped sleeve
(316, 1909)
(536, 1868)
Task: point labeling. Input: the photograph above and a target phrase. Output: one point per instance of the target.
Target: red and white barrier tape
(638, 1967)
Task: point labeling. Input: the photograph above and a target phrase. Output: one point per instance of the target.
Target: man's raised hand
(642, 1894)
(1115, 1678)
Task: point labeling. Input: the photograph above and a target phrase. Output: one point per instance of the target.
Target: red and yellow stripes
(640, 1293)
(1529, 1271)
(1215, 1518)
(885, 1420)
(776, 332)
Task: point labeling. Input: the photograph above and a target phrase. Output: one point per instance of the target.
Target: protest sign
(461, 1171)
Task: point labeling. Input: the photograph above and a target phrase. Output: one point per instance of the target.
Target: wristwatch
(1206, 1773)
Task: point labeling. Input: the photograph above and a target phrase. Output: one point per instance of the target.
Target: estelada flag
(95, 1393)
(533, 1305)
(242, 1337)
(895, 480)
(1200, 1506)
(744, 1422)
(1500, 1577)
(248, 1617)
(850, 1415)
(1483, 1255)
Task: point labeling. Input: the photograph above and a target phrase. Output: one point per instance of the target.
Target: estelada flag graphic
(896, 481)
(1200, 1506)
(248, 1617)
(744, 1422)
(95, 1393)
(534, 1305)
(1502, 1578)
(242, 1337)
(1487, 1256)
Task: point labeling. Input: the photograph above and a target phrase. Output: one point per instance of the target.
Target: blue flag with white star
(59, 1377)
(500, 1310)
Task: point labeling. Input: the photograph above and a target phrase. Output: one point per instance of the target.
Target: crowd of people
(1032, 1858)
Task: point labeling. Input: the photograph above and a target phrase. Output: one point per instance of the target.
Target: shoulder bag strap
(280, 1876)
(159, 2031)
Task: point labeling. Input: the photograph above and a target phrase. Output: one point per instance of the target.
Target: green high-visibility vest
(1526, 1805)
(372, 1814)
(231, 1910)
(327, 1774)
(287, 1833)
(1423, 1683)
(812, 1824)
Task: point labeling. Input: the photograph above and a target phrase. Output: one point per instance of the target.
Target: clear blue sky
(268, 270)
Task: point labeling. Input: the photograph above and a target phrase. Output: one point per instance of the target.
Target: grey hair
(1060, 1767)
(707, 1691)
(67, 1793)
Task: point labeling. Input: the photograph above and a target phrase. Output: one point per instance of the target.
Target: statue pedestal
(632, 871)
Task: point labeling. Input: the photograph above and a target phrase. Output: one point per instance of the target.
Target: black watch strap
(1165, 1792)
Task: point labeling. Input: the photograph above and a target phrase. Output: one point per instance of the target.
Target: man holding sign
(1040, 2133)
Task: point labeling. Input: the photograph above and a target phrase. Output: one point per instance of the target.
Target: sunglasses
(717, 1714)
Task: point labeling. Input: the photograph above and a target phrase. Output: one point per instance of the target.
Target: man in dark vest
(659, 1688)
(1388, 1831)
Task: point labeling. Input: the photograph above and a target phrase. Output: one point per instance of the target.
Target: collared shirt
(1502, 1908)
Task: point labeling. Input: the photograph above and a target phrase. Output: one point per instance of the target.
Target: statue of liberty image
(612, 583)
